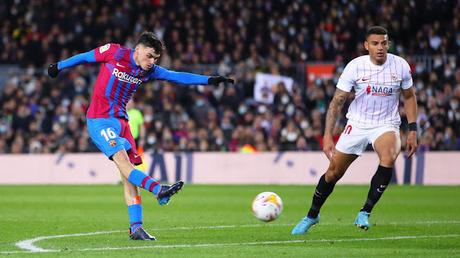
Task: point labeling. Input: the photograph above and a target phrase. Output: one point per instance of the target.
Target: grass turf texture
(428, 216)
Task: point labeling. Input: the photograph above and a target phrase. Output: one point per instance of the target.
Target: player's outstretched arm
(55, 68)
(161, 73)
(333, 112)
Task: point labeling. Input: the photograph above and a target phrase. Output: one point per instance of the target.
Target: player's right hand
(328, 146)
(53, 70)
(215, 80)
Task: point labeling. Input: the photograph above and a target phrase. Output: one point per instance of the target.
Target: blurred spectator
(239, 38)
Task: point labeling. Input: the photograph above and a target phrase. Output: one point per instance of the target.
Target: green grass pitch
(216, 221)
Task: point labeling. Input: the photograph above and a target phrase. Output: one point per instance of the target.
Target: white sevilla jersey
(377, 89)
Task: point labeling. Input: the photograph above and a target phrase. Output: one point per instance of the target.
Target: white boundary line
(238, 244)
(30, 247)
(28, 244)
(264, 243)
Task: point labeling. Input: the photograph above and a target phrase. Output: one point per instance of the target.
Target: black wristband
(413, 126)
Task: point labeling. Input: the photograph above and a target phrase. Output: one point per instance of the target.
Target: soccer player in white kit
(373, 117)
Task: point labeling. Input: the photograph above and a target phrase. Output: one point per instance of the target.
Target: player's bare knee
(333, 174)
(387, 160)
(121, 159)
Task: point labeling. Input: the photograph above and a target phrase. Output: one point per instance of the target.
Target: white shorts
(354, 139)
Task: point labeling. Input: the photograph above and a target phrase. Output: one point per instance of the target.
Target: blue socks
(138, 178)
(135, 216)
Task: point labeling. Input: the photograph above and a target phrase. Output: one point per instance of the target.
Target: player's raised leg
(387, 147)
(337, 167)
(163, 193)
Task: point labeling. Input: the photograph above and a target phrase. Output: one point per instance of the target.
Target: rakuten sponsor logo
(124, 77)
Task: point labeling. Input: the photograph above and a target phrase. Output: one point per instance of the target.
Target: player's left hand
(411, 144)
(215, 80)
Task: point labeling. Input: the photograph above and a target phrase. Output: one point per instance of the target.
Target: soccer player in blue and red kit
(122, 71)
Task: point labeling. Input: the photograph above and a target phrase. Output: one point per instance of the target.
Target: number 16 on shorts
(108, 134)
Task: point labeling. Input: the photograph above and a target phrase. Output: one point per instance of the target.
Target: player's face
(377, 45)
(145, 57)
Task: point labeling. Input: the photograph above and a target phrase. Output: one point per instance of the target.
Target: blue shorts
(111, 135)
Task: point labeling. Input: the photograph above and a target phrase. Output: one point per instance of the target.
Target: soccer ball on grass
(267, 206)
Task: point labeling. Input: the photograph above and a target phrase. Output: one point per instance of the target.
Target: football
(267, 206)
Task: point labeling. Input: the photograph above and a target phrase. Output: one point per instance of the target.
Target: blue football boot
(167, 191)
(362, 220)
(304, 225)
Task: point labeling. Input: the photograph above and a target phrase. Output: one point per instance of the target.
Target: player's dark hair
(376, 30)
(149, 39)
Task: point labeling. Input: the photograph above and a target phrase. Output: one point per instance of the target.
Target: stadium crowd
(236, 38)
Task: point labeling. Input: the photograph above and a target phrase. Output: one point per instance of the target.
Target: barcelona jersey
(119, 77)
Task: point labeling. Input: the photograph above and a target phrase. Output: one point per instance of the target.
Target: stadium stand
(236, 38)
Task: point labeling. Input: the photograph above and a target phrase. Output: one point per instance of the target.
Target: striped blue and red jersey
(119, 77)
